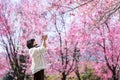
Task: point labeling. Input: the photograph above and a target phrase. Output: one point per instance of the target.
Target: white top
(38, 59)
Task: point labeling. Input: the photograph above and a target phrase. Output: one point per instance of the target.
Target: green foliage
(52, 77)
(89, 75)
(22, 59)
(8, 77)
(28, 77)
(18, 70)
(72, 78)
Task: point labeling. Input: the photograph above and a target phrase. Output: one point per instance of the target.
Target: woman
(37, 56)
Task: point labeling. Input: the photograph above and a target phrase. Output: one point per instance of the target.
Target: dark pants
(39, 75)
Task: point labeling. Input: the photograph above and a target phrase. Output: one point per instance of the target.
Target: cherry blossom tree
(82, 30)
(100, 24)
(9, 41)
(110, 48)
(104, 49)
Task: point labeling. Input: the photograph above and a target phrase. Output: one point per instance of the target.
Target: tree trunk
(78, 75)
(63, 76)
(114, 77)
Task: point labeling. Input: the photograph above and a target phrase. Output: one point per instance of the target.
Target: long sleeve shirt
(38, 59)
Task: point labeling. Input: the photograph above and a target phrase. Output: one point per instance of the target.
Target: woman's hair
(30, 43)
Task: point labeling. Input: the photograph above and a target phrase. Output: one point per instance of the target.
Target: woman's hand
(44, 37)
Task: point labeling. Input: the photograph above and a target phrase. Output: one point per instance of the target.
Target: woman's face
(34, 44)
